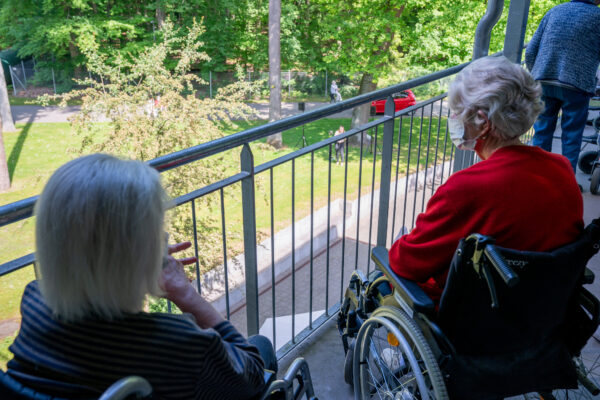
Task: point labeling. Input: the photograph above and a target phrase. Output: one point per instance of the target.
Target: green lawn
(36, 150)
(5, 355)
(27, 101)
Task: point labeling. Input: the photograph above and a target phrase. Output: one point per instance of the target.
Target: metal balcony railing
(294, 280)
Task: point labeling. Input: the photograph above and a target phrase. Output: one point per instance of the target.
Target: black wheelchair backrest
(526, 325)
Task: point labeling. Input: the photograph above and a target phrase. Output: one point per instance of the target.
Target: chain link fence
(31, 78)
(294, 84)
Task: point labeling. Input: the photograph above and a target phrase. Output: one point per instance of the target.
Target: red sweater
(523, 196)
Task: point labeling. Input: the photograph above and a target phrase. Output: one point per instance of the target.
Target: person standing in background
(334, 93)
(340, 146)
(563, 55)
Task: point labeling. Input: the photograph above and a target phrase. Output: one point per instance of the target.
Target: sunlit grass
(36, 150)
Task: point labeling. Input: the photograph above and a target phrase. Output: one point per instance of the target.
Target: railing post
(515, 30)
(386, 172)
(249, 221)
(483, 32)
(481, 47)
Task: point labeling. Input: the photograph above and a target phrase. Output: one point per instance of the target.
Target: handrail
(22, 209)
(204, 150)
(484, 28)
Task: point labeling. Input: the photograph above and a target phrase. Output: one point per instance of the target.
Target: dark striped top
(180, 360)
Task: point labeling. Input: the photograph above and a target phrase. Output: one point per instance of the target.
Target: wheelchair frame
(410, 326)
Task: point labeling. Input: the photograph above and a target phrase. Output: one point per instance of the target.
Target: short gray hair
(99, 237)
(504, 91)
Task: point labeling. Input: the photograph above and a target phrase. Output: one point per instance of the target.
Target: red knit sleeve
(426, 252)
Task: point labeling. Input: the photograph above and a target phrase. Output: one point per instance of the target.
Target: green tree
(66, 29)
(361, 37)
(63, 30)
(151, 110)
(439, 37)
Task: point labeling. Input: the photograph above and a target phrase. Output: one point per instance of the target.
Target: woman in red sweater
(524, 197)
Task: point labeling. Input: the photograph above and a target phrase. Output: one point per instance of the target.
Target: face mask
(457, 133)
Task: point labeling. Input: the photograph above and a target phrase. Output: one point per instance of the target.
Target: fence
(28, 74)
(292, 282)
(37, 77)
(293, 83)
(19, 74)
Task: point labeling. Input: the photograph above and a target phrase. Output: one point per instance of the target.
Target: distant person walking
(340, 146)
(563, 56)
(334, 93)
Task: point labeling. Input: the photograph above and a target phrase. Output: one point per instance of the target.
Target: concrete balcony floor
(323, 349)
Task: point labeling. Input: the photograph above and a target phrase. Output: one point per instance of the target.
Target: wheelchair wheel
(595, 182)
(348, 364)
(596, 124)
(586, 161)
(393, 361)
(349, 319)
(588, 365)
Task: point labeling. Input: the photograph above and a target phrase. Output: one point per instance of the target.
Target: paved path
(32, 113)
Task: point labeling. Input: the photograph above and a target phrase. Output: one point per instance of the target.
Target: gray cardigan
(566, 45)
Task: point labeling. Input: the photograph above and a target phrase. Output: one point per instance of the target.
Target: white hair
(504, 91)
(99, 237)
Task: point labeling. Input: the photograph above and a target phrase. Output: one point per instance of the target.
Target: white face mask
(456, 129)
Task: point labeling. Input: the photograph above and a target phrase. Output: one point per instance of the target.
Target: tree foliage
(151, 110)
(379, 38)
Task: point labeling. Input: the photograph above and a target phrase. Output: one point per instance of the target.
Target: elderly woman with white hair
(524, 197)
(100, 249)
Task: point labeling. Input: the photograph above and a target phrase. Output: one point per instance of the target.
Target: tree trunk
(160, 14)
(360, 115)
(74, 53)
(274, 68)
(5, 114)
(4, 176)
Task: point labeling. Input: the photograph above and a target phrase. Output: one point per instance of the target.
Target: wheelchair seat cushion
(521, 346)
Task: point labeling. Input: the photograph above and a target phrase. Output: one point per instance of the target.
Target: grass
(5, 355)
(36, 150)
(33, 101)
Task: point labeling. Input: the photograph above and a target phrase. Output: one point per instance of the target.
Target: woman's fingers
(174, 248)
(187, 260)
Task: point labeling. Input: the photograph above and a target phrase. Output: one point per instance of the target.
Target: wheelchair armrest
(128, 386)
(407, 289)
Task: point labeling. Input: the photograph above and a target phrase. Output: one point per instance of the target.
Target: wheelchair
(297, 383)
(509, 323)
(589, 161)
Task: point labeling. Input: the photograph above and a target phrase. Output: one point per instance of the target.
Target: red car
(402, 100)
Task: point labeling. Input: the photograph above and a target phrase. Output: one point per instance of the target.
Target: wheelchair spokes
(390, 375)
(588, 365)
(396, 367)
(385, 367)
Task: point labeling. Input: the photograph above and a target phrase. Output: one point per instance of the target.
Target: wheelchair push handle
(502, 268)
